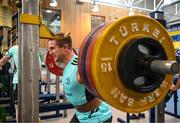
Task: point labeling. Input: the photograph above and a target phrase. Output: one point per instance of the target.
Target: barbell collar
(165, 67)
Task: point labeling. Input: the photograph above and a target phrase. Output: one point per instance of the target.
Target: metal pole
(57, 93)
(29, 63)
(48, 82)
(5, 39)
(19, 43)
(152, 115)
(159, 113)
(57, 88)
(64, 101)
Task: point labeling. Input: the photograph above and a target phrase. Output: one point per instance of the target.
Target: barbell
(129, 63)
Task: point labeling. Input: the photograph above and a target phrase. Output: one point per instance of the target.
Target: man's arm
(177, 86)
(3, 61)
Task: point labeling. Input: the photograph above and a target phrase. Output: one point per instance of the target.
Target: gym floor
(116, 114)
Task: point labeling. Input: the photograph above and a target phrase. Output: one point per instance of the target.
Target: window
(52, 19)
(96, 20)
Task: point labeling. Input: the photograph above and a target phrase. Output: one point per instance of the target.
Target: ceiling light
(95, 8)
(167, 1)
(131, 12)
(49, 11)
(53, 3)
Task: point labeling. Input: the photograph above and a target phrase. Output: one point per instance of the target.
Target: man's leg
(15, 100)
(12, 101)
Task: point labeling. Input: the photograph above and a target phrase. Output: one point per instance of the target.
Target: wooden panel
(43, 43)
(76, 18)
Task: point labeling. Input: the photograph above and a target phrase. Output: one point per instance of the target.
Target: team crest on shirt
(67, 81)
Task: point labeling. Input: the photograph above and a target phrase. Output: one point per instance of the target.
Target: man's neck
(68, 58)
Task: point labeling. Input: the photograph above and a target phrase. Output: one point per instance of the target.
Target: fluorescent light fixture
(95, 8)
(167, 2)
(53, 3)
(131, 12)
(49, 11)
(119, 5)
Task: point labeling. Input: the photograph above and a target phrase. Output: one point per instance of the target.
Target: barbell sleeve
(165, 67)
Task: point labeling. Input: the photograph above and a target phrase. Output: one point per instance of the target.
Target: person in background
(176, 84)
(174, 87)
(13, 53)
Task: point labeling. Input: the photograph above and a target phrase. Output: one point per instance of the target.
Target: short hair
(63, 38)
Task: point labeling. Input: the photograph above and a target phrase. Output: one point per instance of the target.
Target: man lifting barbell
(89, 108)
(128, 63)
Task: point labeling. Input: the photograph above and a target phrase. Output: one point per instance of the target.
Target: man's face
(57, 52)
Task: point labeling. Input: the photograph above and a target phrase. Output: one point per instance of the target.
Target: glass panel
(52, 19)
(96, 21)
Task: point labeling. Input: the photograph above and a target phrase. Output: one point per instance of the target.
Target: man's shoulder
(15, 47)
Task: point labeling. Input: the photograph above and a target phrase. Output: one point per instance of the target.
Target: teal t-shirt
(13, 53)
(77, 94)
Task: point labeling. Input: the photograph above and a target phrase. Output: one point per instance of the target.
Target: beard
(60, 59)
